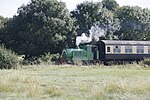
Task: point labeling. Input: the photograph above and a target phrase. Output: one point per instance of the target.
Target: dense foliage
(110, 4)
(134, 23)
(3, 21)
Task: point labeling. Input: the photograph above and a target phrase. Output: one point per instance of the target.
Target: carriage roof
(125, 42)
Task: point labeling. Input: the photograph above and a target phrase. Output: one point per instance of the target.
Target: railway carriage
(123, 50)
(109, 50)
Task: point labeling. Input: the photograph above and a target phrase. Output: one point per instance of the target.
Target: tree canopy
(40, 26)
(134, 23)
(3, 21)
(110, 4)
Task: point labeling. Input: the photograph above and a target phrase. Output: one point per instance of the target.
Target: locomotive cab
(92, 51)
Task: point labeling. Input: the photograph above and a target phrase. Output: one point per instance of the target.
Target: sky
(8, 8)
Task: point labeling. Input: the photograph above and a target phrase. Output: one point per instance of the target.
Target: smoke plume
(83, 39)
(96, 31)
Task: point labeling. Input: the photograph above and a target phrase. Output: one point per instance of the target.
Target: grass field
(126, 82)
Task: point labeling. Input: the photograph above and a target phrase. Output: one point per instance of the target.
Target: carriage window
(128, 49)
(140, 49)
(148, 49)
(117, 49)
(108, 49)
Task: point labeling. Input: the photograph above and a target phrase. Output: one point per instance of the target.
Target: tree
(3, 21)
(110, 4)
(40, 27)
(88, 14)
(134, 23)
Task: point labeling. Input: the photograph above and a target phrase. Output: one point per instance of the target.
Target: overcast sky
(8, 8)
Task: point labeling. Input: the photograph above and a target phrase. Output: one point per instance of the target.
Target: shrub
(146, 62)
(8, 59)
(32, 61)
(50, 58)
(45, 58)
(55, 57)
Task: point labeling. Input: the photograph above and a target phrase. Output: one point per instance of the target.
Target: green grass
(68, 82)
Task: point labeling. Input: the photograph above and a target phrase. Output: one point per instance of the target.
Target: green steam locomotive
(83, 53)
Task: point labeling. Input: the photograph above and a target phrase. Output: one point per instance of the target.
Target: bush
(8, 59)
(146, 62)
(50, 58)
(32, 61)
(45, 58)
(55, 57)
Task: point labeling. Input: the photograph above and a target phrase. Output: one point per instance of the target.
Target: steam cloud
(83, 39)
(96, 31)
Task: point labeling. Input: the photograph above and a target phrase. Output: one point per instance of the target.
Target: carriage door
(101, 49)
(94, 50)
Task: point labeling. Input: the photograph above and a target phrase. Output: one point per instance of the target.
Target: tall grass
(6, 88)
(75, 83)
(53, 91)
